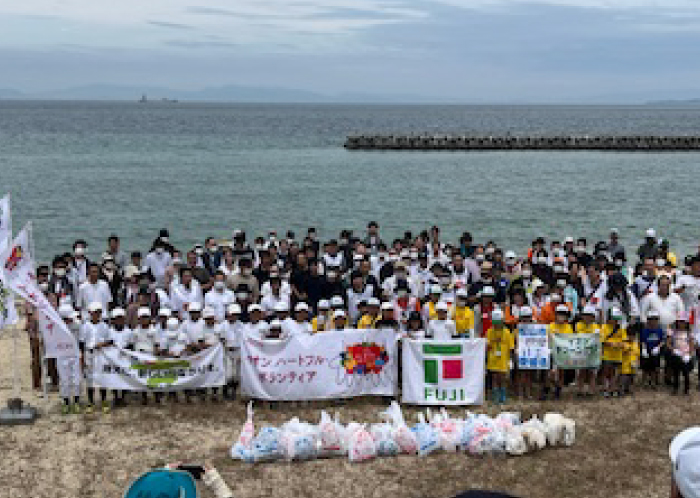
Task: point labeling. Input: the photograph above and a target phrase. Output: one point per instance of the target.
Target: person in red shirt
(483, 310)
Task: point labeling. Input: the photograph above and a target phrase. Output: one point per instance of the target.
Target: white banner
(8, 312)
(321, 366)
(533, 347)
(443, 372)
(5, 223)
(116, 368)
(18, 275)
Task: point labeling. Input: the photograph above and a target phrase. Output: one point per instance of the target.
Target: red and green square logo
(446, 365)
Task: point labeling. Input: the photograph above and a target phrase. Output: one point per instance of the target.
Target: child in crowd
(613, 336)
(630, 361)
(652, 339)
(586, 378)
(560, 325)
(441, 328)
(463, 315)
(95, 336)
(500, 343)
(368, 320)
(681, 345)
(233, 334)
(321, 321)
(415, 326)
(523, 377)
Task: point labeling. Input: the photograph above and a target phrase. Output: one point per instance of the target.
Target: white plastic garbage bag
(266, 445)
(332, 437)
(383, 435)
(427, 436)
(560, 429)
(534, 433)
(299, 440)
(242, 449)
(360, 443)
(404, 437)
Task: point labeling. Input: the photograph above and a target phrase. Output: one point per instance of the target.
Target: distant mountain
(8, 93)
(688, 102)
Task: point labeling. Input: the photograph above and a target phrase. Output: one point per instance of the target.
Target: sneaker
(88, 409)
(105, 407)
(76, 408)
(65, 409)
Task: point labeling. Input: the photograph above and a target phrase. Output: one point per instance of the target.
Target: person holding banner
(613, 336)
(96, 336)
(586, 378)
(368, 320)
(499, 344)
(523, 377)
(321, 321)
(232, 332)
(462, 315)
(122, 337)
(560, 325)
(441, 328)
(69, 368)
(630, 361)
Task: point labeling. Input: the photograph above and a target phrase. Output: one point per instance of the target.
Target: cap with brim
(337, 302)
(165, 312)
(281, 307)
(323, 304)
(684, 451)
(589, 310)
(194, 307)
(441, 306)
(234, 309)
(208, 313)
(488, 291)
(66, 311)
(510, 255)
(301, 307)
(387, 306)
(94, 306)
(525, 311)
(276, 324)
(435, 289)
(616, 314)
(562, 308)
(651, 233)
(569, 240)
(338, 314)
(653, 314)
(373, 301)
(254, 307)
(118, 312)
(462, 293)
(173, 323)
(163, 483)
(614, 231)
(143, 312)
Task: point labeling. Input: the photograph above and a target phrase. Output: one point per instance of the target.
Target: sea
(91, 169)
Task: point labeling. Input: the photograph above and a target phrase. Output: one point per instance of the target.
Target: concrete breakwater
(508, 142)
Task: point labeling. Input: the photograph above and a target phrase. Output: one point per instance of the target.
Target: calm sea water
(86, 170)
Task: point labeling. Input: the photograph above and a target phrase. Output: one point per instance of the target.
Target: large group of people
(171, 302)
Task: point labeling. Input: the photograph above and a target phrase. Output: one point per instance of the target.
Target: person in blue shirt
(651, 340)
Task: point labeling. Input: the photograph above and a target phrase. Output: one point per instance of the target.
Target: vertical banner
(444, 372)
(572, 351)
(8, 312)
(331, 365)
(533, 348)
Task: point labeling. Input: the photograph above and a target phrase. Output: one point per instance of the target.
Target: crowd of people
(170, 302)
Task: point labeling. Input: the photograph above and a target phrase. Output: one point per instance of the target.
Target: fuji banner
(443, 373)
(339, 364)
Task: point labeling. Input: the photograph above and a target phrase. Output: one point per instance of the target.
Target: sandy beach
(620, 450)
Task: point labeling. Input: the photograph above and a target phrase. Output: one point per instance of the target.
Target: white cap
(337, 301)
(66, 311)
(130, 271)
(208, 312)
(143, 311)
(561, 308)
(435, 289)
(373, 301)
(510, 255)
(118, 312)
(254, 307)
(497, 315)
(94, 306)
(233, 309)
(616, 313)
(173, 323)
(561, 283)
(488, 291)
(538, 283)
(194, 306)
(276, 324)
(651, 233)
(589, 309)
(301, 307)
(323, 304)
(614, 231)
(358, 257)
(684, 451)
(387, 306)
(652, 313)
(542, 260)
(441, 306)
(165, 312)
(405, 253)
(462, 292)
(525, 311)
(281, 307)
(569, 240)
(559, 269)
(339, 314)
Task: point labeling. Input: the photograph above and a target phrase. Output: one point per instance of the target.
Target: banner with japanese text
(340, 364)
(533, 347)
(572, 351)
(443, 372)
(115, 368)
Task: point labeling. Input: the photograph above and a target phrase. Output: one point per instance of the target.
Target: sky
(471, 50)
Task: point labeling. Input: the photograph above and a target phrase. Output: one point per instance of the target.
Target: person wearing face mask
(332, 256)
(211, 258)
(121, 337)
(118, 256)
(273, 297)
(400, 273)
(130, 292)
(158, 261)
(556, 300)
(404, 303)
(59, 283)
(372, 241)
(233, 330)
(333, 285)
(111, 275)
(94, 290)
(219, 297)
(228, 265)
(461, 275)
(137, 262)
(81, 263)
(322, 321)
(245, 277)
(164, 239)
(199, 272)
(69, 368)
(184, 294)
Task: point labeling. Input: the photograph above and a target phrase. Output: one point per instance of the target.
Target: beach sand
(620, 451)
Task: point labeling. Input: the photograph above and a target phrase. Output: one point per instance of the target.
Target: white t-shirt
(269, 302)
(336, 260)
(296, 328)
(158, 263)
(285, 289)
(691, 291)
(179, 345)
(121, 338)
(669, 308)
(94, 333)
(257, 330)
(219, 300)
(232, 333)
(179, 295)
(193, 330)
(212, 335)
(99, 292)
(441, 330)
(145, 339)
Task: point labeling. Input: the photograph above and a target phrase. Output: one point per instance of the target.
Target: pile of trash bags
(476, 434)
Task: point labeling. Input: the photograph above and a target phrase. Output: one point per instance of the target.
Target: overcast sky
(495, 50)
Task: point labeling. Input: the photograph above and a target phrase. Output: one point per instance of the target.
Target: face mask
(401, 275)
(165, 239)
(320, 319)
(259, 247)
(343, 242)
(247, 272)
(60, 272)
(555, 298)
(331, 275)
(581, 249)
(199, 251)
(213, 249)
(527, 273)
(44, 286)
(219, 285)
(618, 262)
(382, 255)
(79, 251)
(176, 261)
(242, 296)
(160, 250)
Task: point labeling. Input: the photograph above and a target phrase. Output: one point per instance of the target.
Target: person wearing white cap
(613, 337)
(69, 367)
(684, 452)
(652, 338)
(301, 323)
(429, 311)
(94, 290)
(586, 378)
(233, 330)
(688, 286)
(560, 325)
(441, 328)
(338, 321)
(681, 345)
(256, 326)
(144, 335)
(321, 321)
(219, 297)
(523, 377)
(499, 345)
(122, 337)
(463, 315)
(193, 326)
(213, 335)
(95, 335)
(387, 320)
(482, 311)
(368, 320)
(185, 293)
(650, 247)
(274, 296)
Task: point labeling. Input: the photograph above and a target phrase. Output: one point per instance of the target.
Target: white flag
(8, 312)
(18, 275)
(5, 222)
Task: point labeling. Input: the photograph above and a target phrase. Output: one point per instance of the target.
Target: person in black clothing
(58, 281)
(581, 255)
(164, 237)
(316, 285)
(299, 279)
(334, 284)
(262, 272)
(369, 279)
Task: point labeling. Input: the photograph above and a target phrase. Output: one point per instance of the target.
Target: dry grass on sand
(620, 451)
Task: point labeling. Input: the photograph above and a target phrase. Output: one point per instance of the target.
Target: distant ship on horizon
(144, 100)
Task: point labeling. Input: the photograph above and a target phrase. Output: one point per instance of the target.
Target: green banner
(573, 351)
